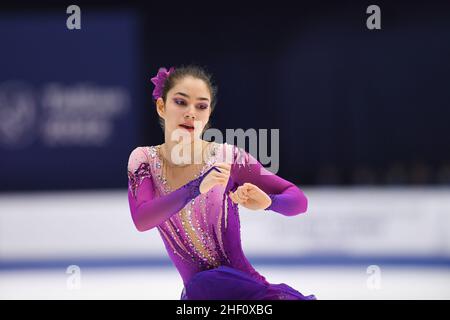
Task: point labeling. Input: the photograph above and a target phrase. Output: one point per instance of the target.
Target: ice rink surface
(326, 282)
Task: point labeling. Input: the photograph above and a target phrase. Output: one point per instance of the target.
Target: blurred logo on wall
(57, 114)
(17, 114)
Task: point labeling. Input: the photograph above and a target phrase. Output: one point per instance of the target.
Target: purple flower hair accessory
(158, 81)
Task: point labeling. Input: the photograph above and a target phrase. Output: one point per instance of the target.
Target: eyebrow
(187, 96)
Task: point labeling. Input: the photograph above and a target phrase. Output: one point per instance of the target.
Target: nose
(190, 112)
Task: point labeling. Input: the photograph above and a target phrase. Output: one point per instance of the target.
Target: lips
(187, 126)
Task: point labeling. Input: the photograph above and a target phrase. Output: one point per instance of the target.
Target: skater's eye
(180, 102)
(203, 106)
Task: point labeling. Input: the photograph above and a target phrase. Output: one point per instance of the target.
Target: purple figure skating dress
(201, 232)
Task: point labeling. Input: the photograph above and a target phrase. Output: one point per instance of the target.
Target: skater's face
(188, 102)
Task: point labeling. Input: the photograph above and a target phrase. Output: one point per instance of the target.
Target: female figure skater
(194, 206)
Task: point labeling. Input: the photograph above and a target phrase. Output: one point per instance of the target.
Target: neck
(179, 154)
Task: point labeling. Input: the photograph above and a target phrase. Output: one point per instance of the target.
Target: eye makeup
(181, 102)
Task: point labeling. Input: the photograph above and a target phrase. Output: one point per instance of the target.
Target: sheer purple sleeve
(148, 211)
(287, 198)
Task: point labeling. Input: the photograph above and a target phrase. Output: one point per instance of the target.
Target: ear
(160, 107)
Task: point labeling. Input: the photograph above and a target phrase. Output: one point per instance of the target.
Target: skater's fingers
(240, 194)
(233, 197)
(222, 166)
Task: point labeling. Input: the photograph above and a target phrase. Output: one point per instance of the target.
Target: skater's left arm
(262, 188)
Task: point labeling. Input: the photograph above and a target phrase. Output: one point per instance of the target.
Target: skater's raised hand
(215, 177)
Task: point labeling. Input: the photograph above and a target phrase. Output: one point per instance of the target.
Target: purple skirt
(226, 283)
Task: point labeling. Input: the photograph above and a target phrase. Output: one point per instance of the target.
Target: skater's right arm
(147, 210)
